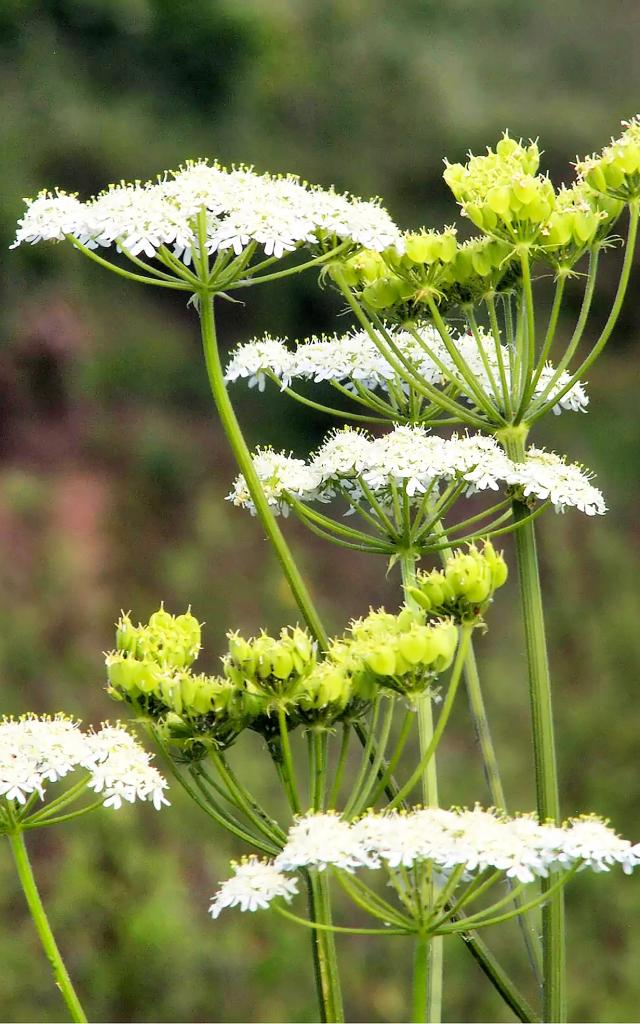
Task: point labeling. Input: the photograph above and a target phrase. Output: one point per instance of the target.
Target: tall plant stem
(546, 775)
(433, 951)
(420, 987)
(40, 920)
(245, 463)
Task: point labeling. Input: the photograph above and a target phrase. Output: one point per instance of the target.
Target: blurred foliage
(113, 471)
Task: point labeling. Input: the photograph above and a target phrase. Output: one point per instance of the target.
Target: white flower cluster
(253, 885)
(351, 359)
(36, 750)
(279, 213)
(476, 840)
(547, 475)
(410, 457)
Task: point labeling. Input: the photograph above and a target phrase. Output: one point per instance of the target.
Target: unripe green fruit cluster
(465, 586)
(401, 652)
(170, 640)
(501, 192)
(615, 171)
(265, 674)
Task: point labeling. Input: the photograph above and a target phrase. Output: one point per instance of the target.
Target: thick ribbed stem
(546, 775)
(50, 946)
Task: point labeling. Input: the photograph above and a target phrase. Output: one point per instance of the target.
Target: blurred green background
(113, 469)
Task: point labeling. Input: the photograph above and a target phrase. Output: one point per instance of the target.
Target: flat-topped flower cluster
(410, 458)
(36, 751)
(475, 840)
(353, 359)
(278, 213)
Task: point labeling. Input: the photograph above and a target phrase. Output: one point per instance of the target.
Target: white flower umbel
(320, 840)
(122, 769)
(35, 751)
(254, 884)
(412, 459)
(353, 358)
(546, 475)
(476, 839)
(278, 213)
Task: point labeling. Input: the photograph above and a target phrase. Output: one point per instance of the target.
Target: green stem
(528, 351)
(428, 749)
(182, 286)
(317, 261)
(434, 950)
(495, 330)
(245, 463)
(323, 938)
(546, 775)
(375, 768)
(576, 337)
(336, 928)
(288, 773)
(634, 213)
(405, 730)
(403, 366)
(420, 987)
(246, 803)
(342, 760)
(34, 902)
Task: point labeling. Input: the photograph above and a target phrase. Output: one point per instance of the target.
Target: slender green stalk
(475, 391)
(342, 760)
(495, 330)
(245, 802)
(40, 920)
(551, 332)
(376, 764)
(576, 337)
(404, 366)
(245, 463)
(317, 261)
(324, 941)
(420, 987)
(429, 750)
(546, 775)
(434, 951)
(288, 772)
(394, 760)
(319, 407)
(612, 319)
(336, 928)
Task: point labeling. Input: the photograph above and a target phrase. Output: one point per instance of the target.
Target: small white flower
(122, 770)
(254, 884)
(320, 840)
